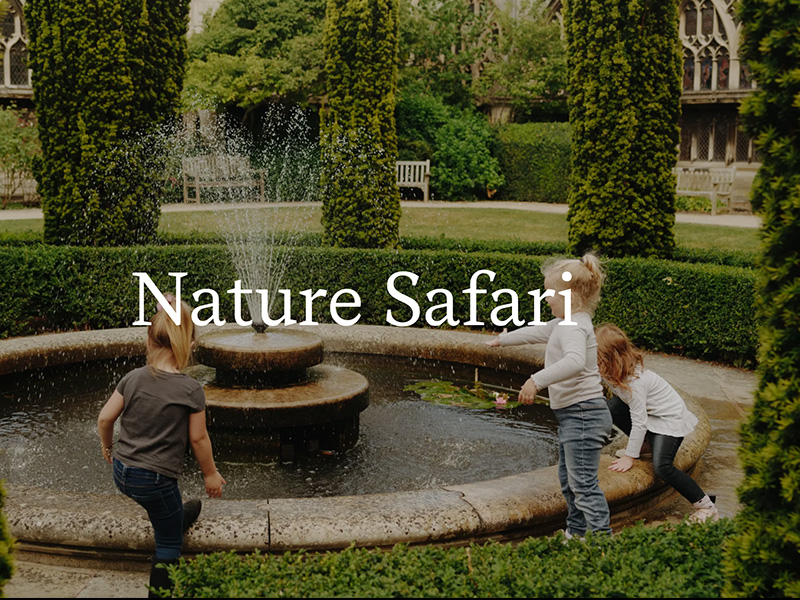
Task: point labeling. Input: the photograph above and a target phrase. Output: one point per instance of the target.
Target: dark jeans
(583, 430)
(160, 497)
(665, 447)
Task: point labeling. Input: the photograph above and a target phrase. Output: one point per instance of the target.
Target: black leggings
(665, 447)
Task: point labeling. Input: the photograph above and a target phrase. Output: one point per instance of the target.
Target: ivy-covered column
(624, 104)
(764, 559)
(361, 202)
(105, 73)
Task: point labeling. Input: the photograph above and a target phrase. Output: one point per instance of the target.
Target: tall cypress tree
(361, 203)
(624, 104)
(105, 74)
(764, 559)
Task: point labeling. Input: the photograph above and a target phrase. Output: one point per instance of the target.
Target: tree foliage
(361, 204)
(19, 147)
(764, 559)
(106, 74)
(256, 51)
(528, 64)
(624, 105)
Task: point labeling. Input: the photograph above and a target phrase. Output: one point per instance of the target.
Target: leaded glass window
(707, 28)
(13, 48)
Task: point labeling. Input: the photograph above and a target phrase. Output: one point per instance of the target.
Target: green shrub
(6, 546)
(361, 203)
(624, 98)
(19, 147)
(419, 118)
(463, 166)
(458, 142)
(639, 562)
(764, 560)
(535, 159)
(699, 310)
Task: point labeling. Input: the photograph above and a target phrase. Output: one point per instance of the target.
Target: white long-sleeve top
(655, 406)
(570, 360)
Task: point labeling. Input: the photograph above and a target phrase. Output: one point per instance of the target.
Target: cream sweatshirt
(570, 360)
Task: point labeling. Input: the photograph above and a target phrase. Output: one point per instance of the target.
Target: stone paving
(725, 393)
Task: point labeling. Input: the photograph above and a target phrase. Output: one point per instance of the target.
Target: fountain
(273, 384)
(75, 525)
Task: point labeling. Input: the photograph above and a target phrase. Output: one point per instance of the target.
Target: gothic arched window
(708, 33)
(14, 48)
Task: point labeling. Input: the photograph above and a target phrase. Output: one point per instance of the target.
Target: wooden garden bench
(707, 183)
(415, 174)
(221, 171)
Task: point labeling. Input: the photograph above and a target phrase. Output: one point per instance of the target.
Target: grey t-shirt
(154, 427)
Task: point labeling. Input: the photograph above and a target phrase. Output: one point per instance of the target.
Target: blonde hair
(617, 358)
(169, 342)
(586, 282)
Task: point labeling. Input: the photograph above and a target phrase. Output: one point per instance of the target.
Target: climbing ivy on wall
(105, 74)
(762, 561)
(624, 104)
(361, 203)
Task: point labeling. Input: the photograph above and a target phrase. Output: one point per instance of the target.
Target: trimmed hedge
(108, 73)
(699, 310)
(358, 138)
(624, 95)
(732, 258)
(536, 160)
(639, 562)
(6, 546)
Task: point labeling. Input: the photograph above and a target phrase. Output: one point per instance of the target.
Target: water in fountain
(262, 223)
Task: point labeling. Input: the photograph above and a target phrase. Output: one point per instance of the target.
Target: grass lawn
(455, 223)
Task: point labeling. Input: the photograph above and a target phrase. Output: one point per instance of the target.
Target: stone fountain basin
(69, 527)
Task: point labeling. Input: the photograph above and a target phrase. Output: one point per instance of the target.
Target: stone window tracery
(14, 70)
(708, 52)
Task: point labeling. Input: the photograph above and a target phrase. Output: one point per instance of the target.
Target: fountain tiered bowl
(273, 386)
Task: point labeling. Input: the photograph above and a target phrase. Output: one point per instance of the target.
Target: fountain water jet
(271, 382)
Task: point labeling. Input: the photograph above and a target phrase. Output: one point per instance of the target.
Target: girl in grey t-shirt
(161, 411)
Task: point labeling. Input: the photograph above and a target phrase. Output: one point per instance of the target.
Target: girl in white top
(576, 393)
(646, 405)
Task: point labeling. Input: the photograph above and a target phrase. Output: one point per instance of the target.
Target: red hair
(617, 358)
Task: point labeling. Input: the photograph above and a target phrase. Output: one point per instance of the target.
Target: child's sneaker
(705, 514)
(569, 536)
(191, 510)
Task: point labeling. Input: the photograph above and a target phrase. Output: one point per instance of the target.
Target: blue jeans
(160, 497)
(583, 430)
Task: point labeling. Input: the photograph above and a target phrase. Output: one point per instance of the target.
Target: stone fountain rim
(58, 524)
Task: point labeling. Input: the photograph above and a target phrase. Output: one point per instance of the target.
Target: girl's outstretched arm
(105, 422)
(201, 446)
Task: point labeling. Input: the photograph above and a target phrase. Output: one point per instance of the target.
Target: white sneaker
(705, 514)
(568, 536)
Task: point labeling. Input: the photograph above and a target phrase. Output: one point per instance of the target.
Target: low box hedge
(698, 310)
(733, 258)
(684, 561)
